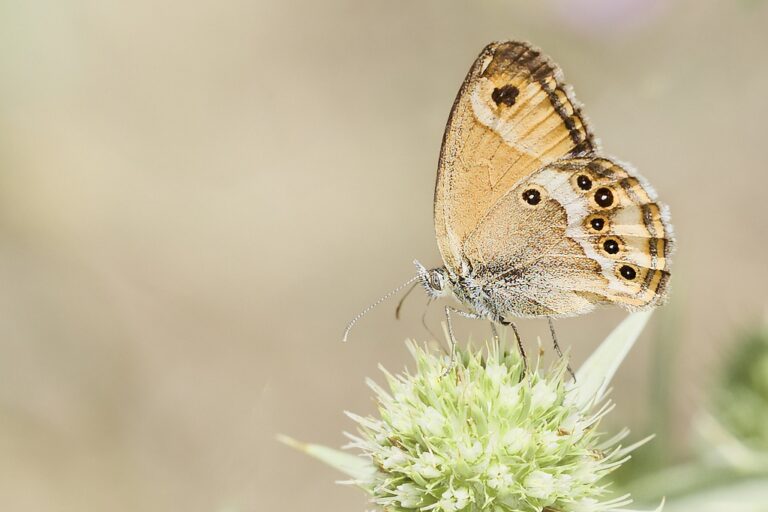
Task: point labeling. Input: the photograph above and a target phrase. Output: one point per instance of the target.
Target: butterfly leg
(424, 320)
(452, 338)
(519, 344)
(557, 346)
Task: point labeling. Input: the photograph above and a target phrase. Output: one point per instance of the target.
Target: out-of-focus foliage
(741, 397)
(727, 464)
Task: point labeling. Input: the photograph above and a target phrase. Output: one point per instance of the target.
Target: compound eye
(436, 281)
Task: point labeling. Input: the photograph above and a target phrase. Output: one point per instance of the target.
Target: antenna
(382, 299)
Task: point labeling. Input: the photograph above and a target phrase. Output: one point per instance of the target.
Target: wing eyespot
(584, 182)
(532, 196)
(611, 246)
(604, 197)
(596, 223)
(627, 272)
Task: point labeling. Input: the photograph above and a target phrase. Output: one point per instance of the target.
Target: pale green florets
(486, 436)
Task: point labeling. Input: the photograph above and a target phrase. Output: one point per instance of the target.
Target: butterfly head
(436, 281)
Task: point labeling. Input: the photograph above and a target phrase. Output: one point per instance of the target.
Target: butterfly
(531, 218)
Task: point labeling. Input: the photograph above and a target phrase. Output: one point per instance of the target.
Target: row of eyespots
(603, 195)
(532, 197)
(604, 198)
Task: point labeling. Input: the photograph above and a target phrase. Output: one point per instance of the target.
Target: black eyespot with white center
(584, 182)
(598, 223)
(532, 196)
(627, 272)
(611, 246)
(604, 197)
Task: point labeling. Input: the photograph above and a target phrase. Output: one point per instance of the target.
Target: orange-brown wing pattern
(579, 232)
(512, 116)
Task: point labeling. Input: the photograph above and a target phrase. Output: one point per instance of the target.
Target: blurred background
(195, 197)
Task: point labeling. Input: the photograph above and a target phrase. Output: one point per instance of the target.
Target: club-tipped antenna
(382, 299)
(402, 299)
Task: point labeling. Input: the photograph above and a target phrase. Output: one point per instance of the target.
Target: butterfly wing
(512, 116)
(579, 232)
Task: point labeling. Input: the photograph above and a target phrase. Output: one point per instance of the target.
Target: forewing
(513, 115)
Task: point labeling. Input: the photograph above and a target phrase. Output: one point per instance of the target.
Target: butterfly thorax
(472, 289)
(496, 293)
(476, 294)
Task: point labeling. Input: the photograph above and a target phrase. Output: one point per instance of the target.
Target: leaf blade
(353, 466)
(596, 373)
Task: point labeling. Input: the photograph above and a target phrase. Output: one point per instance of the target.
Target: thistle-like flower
(489, 435)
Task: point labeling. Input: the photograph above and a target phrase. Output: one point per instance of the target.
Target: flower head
(490, 435)
(486, 436)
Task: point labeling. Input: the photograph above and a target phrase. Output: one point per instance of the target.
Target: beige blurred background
(196, 196)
